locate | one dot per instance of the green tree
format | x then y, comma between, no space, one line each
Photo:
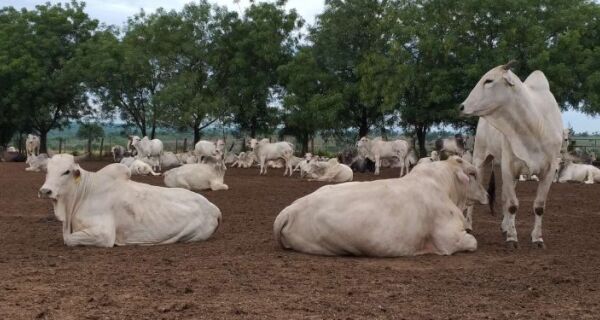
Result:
249,50
90,131
43,82
346,34
307,105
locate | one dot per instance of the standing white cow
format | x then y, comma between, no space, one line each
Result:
148,148
204,148
32,145
106,208
329,171
386,218
198,176
521,125
378,149
264,151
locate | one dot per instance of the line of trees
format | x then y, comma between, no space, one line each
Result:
365,65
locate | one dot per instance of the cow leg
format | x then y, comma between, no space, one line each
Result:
215,186
96,236
510,204
377,164
263,168
539,206
590,177
450,236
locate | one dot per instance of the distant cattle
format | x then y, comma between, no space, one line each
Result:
169,160
204,148
106,208
118,152
152,149
386,218
378,149
139,167
329,171
197,176
37,163
32,145
585,173
264,151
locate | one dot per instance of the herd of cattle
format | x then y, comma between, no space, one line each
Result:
520,128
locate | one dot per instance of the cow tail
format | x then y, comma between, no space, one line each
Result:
280,222
492,190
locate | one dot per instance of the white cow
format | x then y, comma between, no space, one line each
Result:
386,218
37,163
139,167
197,176
148,148
11,149
32,145
245,160
230,158
118,153
329,171
106,208
450,146
433,157
264,151
585,173
468,156
378,149
127,161
169,160
521,126
204,148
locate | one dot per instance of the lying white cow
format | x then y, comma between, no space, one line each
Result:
11,149
37,163
245,160
32,145
139,167
169,160
264,151
204,148
118,153
106,208
585,173
520,126
386,218
127,161
230,158
378,149
148,148
433,157
329,171
197,176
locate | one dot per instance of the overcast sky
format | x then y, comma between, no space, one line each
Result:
115,12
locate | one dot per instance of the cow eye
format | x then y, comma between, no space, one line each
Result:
488,81
66,172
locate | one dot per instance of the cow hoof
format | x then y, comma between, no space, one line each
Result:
512,245
539,245
504,233
469,231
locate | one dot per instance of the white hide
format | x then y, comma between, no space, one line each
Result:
265,151
378,149
197,177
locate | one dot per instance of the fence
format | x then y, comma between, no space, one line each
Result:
586,144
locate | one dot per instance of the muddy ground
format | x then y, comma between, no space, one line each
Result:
241,273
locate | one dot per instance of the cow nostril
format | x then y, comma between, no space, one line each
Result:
45,192
462,107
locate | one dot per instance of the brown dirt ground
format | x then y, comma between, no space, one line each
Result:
241,273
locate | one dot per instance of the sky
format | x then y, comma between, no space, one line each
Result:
116,12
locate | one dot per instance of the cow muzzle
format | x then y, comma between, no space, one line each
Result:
45,193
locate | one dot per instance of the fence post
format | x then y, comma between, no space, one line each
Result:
60,142
175,145
101,148
184,145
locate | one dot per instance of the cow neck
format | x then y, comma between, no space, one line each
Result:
523,126
76,194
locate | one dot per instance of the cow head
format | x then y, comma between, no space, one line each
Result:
135,140
435,156
494,90
466,174
220,144
363,146
63,173
253,143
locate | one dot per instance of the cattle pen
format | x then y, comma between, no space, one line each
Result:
241,273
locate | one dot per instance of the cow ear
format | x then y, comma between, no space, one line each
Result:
509,78
462,177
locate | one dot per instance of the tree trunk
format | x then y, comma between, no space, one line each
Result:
89,148
312,144
184,145
421,132
101,148
153,132
304,140
60,144
197,134
363,129
43,141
